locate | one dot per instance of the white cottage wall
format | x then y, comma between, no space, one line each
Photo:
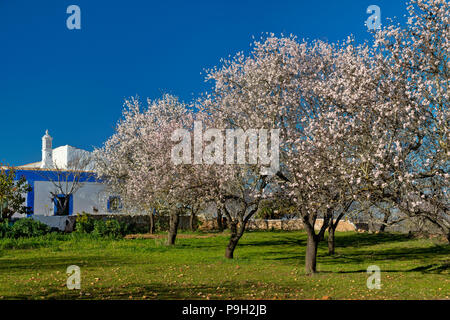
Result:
90,195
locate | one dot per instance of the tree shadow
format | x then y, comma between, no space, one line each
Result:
436,268
343,240
161,291
59,263
276,239
355,239
295,242
362,253
395,254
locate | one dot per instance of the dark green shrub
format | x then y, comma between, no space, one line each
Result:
109,228
5,229
99,228
114,228
84,223
161,224
126,228
27,227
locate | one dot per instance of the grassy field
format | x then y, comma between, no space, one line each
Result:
268,265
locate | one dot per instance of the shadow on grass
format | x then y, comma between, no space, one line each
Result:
356,249
397,254
155,291
284,242
436,268
59,263
353,239
276,239
343,240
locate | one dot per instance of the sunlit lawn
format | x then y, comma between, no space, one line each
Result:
268,265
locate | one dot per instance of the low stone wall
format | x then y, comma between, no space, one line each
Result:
141,223
278,224
288,225
342,226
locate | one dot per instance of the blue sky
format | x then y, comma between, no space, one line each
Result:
74,82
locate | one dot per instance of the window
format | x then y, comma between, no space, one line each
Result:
114,204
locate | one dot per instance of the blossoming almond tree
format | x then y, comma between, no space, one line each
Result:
416,59
236,189
136,160
243,98
396,128
276,87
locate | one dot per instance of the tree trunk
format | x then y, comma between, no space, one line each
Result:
385,220
219,220
192,221
331,240
229,252
152,222
234,239
173,227
311,253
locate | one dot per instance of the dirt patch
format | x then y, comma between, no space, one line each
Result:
163,236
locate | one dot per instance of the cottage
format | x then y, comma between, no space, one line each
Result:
63,184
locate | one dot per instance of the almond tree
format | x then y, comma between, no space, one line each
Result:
236,189
322,170
416,58
136,160
238,192
277,87
396,128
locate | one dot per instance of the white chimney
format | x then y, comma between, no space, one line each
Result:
47,153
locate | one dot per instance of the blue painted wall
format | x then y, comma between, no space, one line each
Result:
33,176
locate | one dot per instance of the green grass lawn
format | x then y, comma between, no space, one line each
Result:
267,265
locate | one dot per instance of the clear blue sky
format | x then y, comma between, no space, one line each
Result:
73,82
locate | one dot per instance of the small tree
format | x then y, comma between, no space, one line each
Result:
136,161
194,207
239,199
67,181
334,222
12,193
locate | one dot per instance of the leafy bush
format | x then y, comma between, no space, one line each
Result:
99,228
27,228
84,223
5,229
161,224
12,193
133,228
109,228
